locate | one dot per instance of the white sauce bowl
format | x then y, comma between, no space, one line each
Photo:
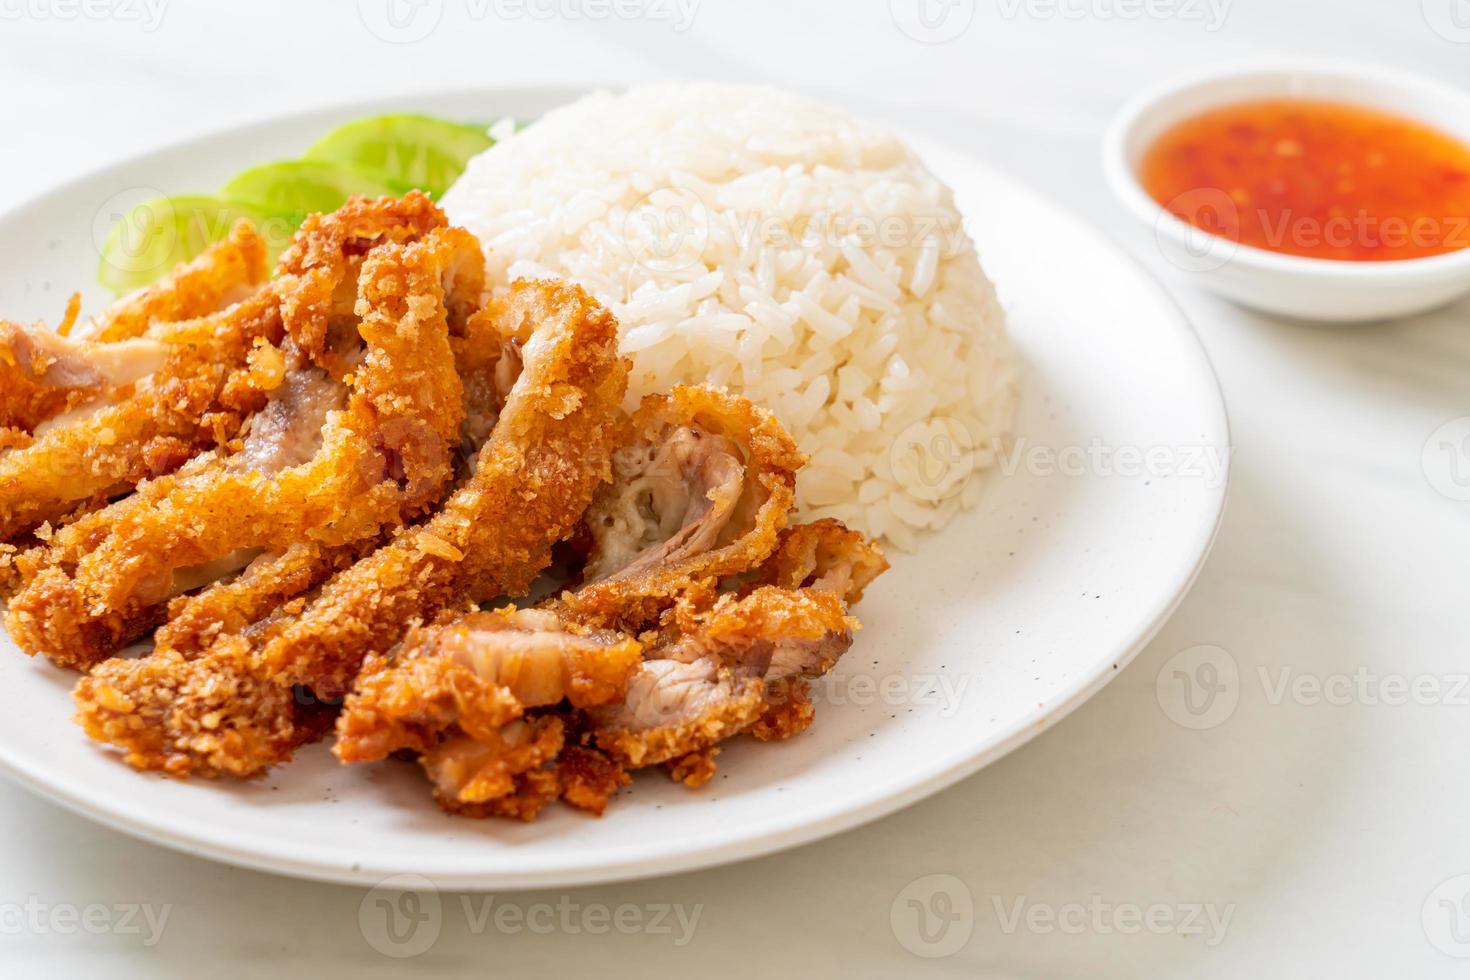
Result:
1290,285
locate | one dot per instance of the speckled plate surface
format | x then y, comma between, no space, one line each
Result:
1080,548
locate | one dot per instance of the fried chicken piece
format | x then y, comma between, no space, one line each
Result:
701,492
535,786
321,270
789,710
487,365
813,562
671,525
587,779
550,449
205,716
10,573
196,400
459,696
310,468
221,365
715,674
825,555
477,698
479,674
222,275
45,374
146,386
210,382
206,712
245,602
466,771
197,705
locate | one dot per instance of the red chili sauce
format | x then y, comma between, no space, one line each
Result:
1319,179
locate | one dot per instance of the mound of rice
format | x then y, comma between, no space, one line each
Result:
795,255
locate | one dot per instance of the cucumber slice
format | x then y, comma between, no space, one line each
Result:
299,187
415,151
155,236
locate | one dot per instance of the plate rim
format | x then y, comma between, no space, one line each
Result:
811,826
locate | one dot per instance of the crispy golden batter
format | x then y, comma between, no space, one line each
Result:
269,589
382,458
826,555
712,676
223,274
529,773
212,318
549,451
495,769
319,272
197,399
479,674
44,373
789,711
489,701
694,769
458,695
45,376
203,716
262,591
587,779
148,384
488,363
701,493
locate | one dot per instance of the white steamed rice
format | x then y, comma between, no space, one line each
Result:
797,256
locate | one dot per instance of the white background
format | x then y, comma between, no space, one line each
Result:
1323,830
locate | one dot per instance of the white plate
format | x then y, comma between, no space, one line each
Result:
1023,607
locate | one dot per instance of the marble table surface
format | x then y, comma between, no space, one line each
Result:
1319,829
